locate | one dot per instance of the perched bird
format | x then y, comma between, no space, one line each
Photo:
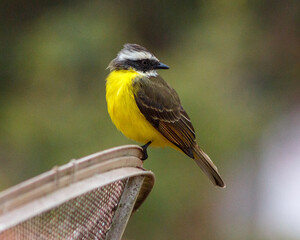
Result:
147,109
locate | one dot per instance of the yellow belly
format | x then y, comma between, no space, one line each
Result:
124,112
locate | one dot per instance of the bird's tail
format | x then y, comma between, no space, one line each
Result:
208,167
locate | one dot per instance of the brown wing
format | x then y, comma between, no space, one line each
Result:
161,106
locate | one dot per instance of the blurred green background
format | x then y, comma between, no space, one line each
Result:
235,65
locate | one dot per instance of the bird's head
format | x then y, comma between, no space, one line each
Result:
138,58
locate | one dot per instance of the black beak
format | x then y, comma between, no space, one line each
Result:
161,66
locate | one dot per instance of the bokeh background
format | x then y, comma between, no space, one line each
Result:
236,67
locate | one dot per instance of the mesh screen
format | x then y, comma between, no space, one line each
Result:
88,216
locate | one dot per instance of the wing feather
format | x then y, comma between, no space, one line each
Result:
161,106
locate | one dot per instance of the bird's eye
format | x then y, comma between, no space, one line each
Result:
144,62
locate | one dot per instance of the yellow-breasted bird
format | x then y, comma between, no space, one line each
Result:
147,109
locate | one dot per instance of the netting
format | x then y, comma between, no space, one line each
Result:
89,198
88,216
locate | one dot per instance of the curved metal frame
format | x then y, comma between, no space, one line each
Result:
78,177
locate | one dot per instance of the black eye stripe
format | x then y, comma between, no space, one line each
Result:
142,65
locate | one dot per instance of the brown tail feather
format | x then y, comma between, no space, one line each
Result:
208,167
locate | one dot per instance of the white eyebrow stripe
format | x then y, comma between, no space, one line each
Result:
134,55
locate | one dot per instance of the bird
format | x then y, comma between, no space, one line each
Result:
145,108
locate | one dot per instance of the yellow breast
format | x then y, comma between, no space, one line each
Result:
124,112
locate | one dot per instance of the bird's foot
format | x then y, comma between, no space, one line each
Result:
145,154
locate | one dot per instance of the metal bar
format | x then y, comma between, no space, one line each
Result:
125,207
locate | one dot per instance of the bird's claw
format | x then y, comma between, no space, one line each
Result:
145,154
